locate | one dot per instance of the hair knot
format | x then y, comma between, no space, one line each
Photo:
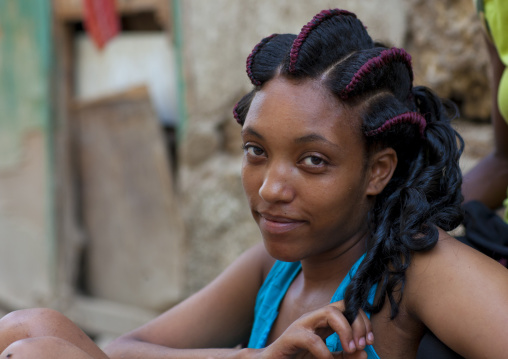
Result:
236,115
306,29
414,118
250,59
385,57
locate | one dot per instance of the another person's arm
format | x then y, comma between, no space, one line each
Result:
488,180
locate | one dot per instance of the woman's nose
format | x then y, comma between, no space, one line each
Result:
276,185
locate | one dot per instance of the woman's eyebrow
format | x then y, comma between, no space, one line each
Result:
314,137
250,131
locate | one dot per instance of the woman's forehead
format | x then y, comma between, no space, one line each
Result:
306,105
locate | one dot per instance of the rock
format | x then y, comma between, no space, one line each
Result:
446,42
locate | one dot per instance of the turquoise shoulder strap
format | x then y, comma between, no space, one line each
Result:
272,293
268,300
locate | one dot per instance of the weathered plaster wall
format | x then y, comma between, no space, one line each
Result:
25,254
26,242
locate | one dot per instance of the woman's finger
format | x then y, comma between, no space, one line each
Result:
333,318
359,332
368,327
307,335
299,342
352,337
315,345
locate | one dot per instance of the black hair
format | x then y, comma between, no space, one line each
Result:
424,191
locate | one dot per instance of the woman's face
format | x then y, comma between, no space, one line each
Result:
304,171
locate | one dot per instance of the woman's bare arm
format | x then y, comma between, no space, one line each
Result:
461,295
218,316
221,315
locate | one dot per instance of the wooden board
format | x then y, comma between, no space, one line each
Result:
130,216
72,10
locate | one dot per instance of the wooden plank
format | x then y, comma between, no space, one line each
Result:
130,216
68,231
135,94
72,10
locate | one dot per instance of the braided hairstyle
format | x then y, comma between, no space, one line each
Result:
424,191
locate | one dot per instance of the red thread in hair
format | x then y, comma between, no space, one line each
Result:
306,29
385,57
250,59
236,115
414,118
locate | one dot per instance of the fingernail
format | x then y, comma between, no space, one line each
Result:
352,345
361,342
370,337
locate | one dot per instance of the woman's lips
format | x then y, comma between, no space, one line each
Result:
277,224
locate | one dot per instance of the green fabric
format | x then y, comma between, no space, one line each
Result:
496,15
502,95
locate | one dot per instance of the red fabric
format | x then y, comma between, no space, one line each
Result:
101,20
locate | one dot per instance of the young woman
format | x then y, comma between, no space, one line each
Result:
352,176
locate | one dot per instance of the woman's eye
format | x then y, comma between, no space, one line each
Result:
253,150
313,161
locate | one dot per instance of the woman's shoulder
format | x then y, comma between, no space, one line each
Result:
450,256
452,262
459,294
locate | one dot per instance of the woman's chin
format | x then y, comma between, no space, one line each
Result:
284,252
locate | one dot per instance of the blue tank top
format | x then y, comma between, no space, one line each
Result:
274,289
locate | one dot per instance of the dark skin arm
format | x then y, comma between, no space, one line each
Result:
220,316
488,180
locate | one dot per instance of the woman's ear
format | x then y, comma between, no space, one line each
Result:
382,165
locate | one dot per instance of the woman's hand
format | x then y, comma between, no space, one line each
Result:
305,338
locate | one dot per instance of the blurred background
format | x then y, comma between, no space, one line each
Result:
120,189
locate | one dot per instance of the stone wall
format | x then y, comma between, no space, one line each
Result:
446,41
